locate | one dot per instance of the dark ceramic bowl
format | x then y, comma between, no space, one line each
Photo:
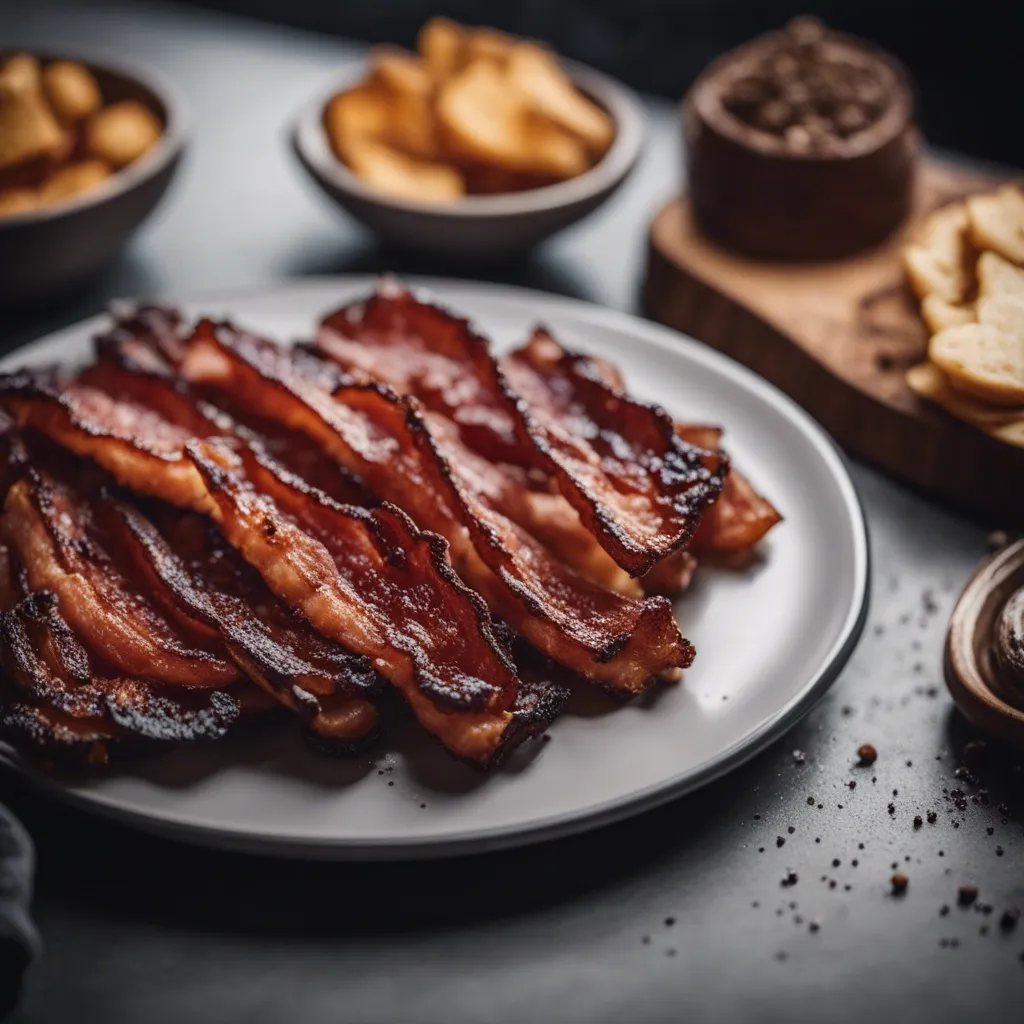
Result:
49,251
477,226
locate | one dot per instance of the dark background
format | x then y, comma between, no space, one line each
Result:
965,55
678,915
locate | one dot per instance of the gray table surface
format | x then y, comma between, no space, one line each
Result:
678,914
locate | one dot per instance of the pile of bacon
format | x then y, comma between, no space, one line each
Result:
202,523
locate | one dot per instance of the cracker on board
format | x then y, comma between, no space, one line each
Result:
937,263
986,359
996,222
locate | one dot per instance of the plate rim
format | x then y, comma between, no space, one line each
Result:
566,823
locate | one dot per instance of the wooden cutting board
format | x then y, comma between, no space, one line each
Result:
838,337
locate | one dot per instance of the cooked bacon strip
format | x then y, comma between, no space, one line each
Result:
44,659
620,642
60,540
737,520
53,733
741,517
319,680
374,582
132,366
140,448
638,488
10,592
62,703
539,695
155,334
646,487
512,492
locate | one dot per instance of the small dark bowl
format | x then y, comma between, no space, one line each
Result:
477,227
56,248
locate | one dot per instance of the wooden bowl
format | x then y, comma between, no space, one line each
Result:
985,647
477,226
56,248
757,198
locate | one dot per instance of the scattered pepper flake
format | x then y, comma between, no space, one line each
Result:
966,895
867,755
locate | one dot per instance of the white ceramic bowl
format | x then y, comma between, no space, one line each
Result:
484,226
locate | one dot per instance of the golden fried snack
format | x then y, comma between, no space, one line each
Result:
360,113
406,90
487,44
403,176
488,122
23,68
1003,311
497,111
938,263
400,72
17,200
939,314
535,73
72,91
1004,424
997,276
996,222
28,129
986,359
440,44
121,133
73,179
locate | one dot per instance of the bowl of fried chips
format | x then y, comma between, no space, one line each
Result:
477,145
87,149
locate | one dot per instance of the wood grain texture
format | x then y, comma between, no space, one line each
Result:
838,338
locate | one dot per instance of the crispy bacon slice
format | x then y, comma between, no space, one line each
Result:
44,730
735,522
512,492
193,565
10,592
388,442
133,366
373,581
741,517
638,487
64,545
647,488
540,692
140,448
55,700
154,334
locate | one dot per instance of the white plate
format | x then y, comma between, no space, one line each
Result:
769,640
